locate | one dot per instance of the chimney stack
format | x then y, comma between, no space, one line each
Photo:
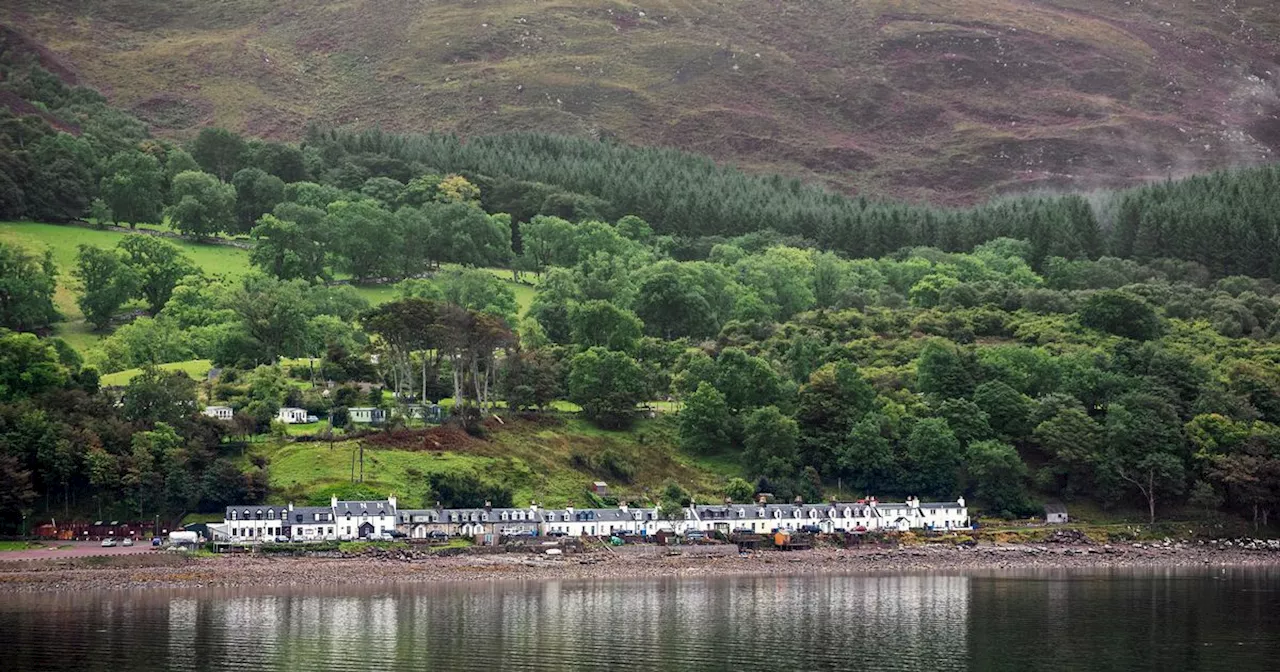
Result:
391,499
333,501
488,506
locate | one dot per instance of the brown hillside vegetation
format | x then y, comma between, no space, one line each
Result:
945,100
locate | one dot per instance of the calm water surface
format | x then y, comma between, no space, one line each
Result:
1165,620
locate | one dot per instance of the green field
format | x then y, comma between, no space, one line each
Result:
63,241
215,260
198,369
535,460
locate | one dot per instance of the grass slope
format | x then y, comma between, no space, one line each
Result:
215,260
533,459
940,99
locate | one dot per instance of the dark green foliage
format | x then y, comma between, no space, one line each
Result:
159,265
704,421
607,385
454,490
219,151
107,282
1120,313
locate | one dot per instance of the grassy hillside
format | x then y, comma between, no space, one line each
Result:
536,460
925,99
215,260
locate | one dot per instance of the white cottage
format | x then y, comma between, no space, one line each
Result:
257,522
312,523
366,415
361,519
219,412
292,416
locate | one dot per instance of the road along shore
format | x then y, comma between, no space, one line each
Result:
168,570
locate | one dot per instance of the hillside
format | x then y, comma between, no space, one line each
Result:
941,101
545,461
213,260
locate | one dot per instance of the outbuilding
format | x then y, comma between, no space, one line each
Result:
1055,513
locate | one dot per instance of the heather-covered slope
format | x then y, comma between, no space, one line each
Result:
947,101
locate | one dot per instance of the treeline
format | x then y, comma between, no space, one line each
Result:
84,159
66,446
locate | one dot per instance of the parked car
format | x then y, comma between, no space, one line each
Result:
694,536
281,539
108,542
397,534
127,542
156,541
345,537
437,534
810,529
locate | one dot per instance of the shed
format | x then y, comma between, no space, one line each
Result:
1055,513
600,488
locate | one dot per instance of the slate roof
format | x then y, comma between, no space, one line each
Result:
253,510
308,515
379,507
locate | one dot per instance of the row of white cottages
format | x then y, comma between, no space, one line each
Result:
360,519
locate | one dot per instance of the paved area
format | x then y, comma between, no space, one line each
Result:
74,549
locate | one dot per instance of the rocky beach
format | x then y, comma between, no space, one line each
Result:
165,570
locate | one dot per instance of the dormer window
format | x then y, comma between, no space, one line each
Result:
777,514
847,512
797,513
235,516
258,515
271,514
742,513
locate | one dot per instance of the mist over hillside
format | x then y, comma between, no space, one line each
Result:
948,102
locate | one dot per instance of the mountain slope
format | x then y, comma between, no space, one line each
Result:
945,100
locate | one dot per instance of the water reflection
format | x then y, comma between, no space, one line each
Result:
1028,621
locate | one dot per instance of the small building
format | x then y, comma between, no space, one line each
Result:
219,412
360,519
292,416
1055,513
314,523
431,413
600,488
366,415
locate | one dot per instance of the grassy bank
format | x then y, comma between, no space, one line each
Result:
214,260
550,462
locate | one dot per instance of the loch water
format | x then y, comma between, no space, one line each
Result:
1162,620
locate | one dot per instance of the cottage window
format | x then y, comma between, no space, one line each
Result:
235,516
271,514
258,515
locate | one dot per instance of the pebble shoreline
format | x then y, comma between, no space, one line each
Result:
261,571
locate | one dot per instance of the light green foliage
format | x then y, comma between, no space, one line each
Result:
739,491
479,290
704,421
28,366
600,323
